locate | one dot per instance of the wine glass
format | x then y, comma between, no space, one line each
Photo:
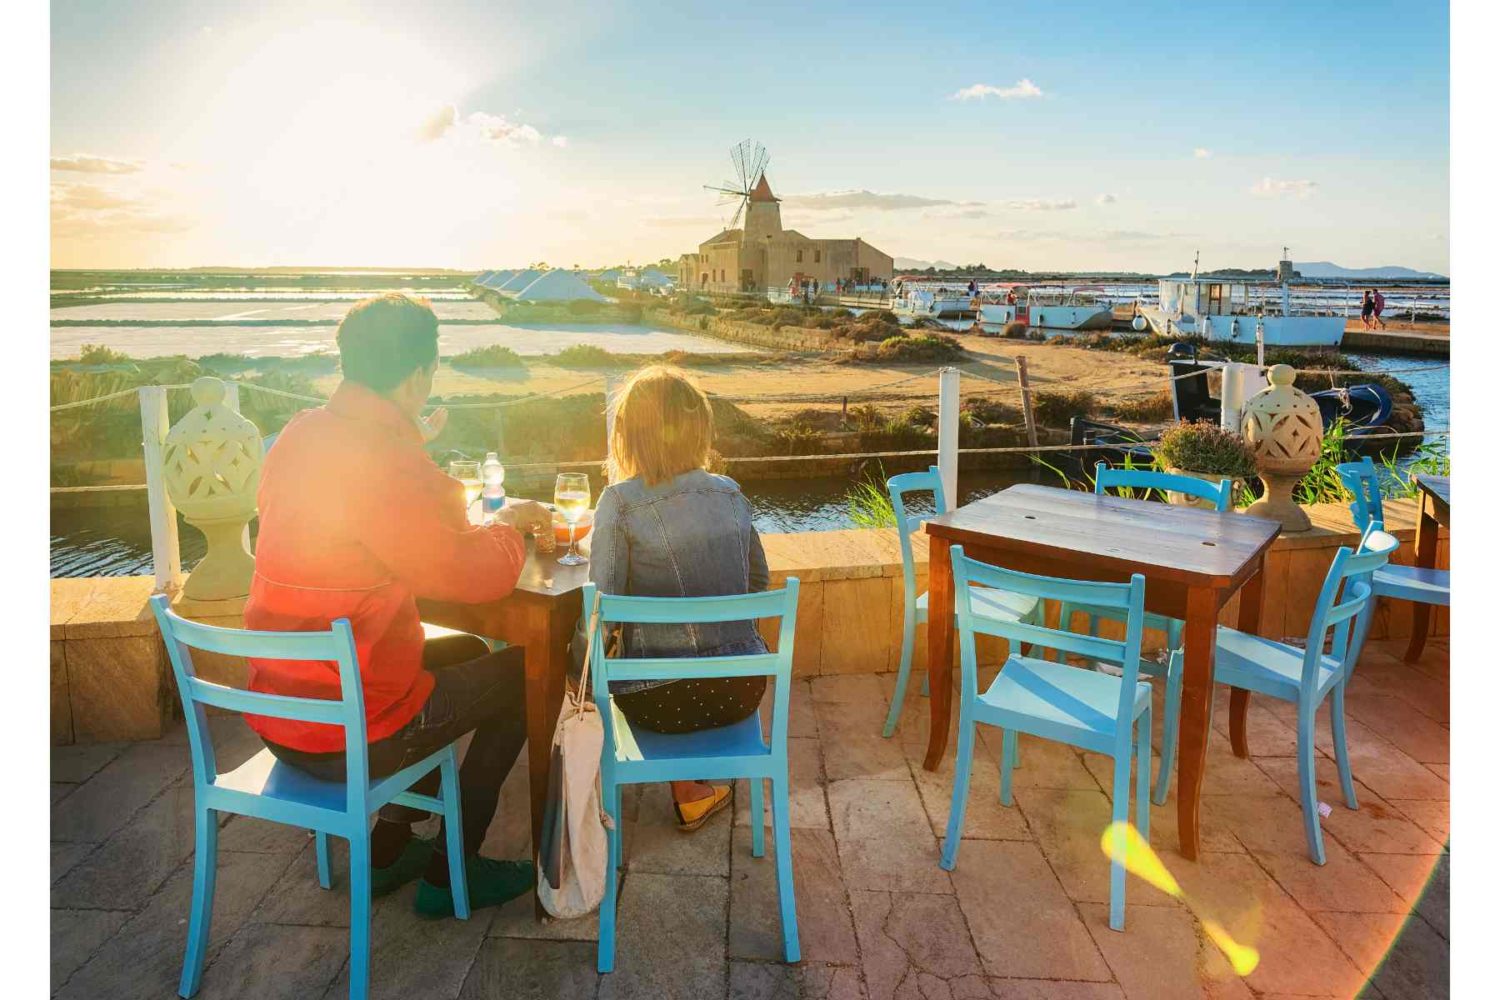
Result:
468,474
571,497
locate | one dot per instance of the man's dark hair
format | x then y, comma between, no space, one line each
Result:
384,339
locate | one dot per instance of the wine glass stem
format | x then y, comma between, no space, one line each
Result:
572,544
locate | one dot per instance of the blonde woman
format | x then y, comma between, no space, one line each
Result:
667,527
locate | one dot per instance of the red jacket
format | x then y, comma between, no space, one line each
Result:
356,521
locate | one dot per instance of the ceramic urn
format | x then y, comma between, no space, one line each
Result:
211,465
1282,425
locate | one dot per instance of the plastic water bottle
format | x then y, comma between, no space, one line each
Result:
493,474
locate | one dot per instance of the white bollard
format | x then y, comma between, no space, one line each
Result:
166,556
948,434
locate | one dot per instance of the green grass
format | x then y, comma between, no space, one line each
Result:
870,506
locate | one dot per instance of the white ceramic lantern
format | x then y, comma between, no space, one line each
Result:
211,465
1283,427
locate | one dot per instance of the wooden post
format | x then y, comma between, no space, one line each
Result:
948,434
166,556
844,413
1026,413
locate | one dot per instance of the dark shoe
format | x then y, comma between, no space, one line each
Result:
410,865
491,883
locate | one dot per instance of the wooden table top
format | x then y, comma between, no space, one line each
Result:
542,576
1186,544
1436,487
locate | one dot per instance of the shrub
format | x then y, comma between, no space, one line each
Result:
922,347
489,356
870,505
1014,330
1207,448
1055,408
866,417
98,354
1145,409
585,307
586,356
797,439
981,411
631,312
919,415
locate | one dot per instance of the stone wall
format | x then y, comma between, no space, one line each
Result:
111,679
786,338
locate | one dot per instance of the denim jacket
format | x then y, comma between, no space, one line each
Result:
689,537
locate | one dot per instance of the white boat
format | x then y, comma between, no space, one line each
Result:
934,301
1048,309
1229,310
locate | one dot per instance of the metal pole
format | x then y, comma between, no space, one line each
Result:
1026,412
948,434
166,556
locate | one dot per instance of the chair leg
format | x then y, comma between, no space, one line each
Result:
1010,749
1120,814
1171,717
1307,779
758,817
1143,776
325,872
359,915
453,826
205,869
961,769
617,842
1341,746
903,673
781,829
606,959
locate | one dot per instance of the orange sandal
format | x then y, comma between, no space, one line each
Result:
692,815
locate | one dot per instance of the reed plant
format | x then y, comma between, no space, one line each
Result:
870,505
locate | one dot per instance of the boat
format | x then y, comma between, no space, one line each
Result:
927,301
1047,309
1118,447
1239,311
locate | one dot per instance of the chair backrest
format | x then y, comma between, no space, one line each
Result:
1360,479
1127,597
898,487
616,609
1345,604
1107,478
337,644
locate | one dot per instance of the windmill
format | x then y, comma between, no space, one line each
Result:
749,159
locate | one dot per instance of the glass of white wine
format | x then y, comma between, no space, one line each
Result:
571,497
468,474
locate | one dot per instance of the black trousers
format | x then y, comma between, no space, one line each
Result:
473,690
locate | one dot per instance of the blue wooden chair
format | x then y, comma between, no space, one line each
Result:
1405,583
1307,676
996,603
1056,701
267,789
636,756
1220,495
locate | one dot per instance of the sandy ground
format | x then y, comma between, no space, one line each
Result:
776,385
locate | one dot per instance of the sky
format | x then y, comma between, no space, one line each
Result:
482,133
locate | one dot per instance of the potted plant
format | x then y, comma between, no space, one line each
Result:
1204,451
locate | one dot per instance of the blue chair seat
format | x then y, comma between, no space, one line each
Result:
1077,705
740,739
266,776
1413,583
992,604
1259,664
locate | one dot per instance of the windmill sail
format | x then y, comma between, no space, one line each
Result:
749,159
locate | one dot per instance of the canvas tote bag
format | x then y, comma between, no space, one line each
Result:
574,851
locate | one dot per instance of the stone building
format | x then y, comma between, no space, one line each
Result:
763,255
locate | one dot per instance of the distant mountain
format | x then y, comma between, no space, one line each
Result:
912,264
1327,269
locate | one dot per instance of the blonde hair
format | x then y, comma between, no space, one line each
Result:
663,427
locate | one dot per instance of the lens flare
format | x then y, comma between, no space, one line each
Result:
1122,842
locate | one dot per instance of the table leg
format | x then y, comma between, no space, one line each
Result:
1425,556
1197,698
939,650
1252,597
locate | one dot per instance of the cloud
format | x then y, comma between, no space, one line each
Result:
1270,187
833,201
1200,153
482,126
1106,199
1040,204
1022,88
88,210
85,164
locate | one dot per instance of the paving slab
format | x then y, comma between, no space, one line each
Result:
518,919
809,805
913,944
806,981
654,843
669,938
1053,989
1161,956
1375,826
79,763
532,970
825,928
77,934
128,868
984,817
117,791
1066,825
1416,967
1023,922
1343,883
884,838
65,857
267,960
412,955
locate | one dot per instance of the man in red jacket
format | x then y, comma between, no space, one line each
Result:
356,521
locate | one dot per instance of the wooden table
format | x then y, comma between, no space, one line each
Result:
539,617
1193,560
1435,496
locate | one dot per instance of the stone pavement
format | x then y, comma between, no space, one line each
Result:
1022,916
